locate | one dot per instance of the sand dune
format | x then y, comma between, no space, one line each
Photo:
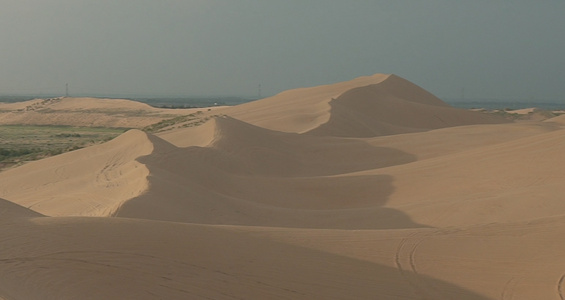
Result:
91,112
559,119
363,107
440,142
253,176
523,182
191,136
297,110
367,189
523,111
265,152
265,181
393,106
92,181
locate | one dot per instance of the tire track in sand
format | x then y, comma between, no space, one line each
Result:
405,262
560,287
508,290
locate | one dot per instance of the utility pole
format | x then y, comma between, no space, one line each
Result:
66,90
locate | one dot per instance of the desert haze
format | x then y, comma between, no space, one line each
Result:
367,189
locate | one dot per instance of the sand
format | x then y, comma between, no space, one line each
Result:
88,112
366,189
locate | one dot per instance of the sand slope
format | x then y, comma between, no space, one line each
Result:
94,258
367,189
73,257
516,180
518,260
559,120
92,181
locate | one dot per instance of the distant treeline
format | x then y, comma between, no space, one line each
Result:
506,104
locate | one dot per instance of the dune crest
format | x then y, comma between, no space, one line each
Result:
394,106
297,110
363,107
264,152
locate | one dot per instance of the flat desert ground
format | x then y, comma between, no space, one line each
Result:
367,189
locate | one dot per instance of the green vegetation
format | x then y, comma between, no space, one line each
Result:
21,143
160,126
191,120
513,116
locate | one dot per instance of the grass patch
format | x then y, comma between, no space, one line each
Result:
160,126
21,143
192,120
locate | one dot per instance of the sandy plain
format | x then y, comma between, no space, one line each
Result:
366,189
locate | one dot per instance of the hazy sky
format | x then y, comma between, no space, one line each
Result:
491,48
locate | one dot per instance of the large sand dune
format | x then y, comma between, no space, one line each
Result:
367,106
298,110
391,107
367,189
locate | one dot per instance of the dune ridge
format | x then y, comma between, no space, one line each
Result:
382,104
366,189
393,106
297,110
253,176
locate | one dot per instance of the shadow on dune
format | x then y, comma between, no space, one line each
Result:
270,182
105,258
10,210
244,149
171,198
